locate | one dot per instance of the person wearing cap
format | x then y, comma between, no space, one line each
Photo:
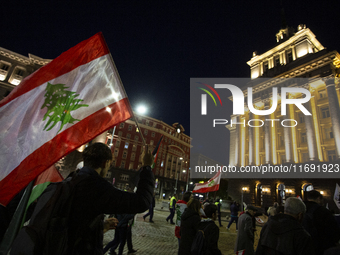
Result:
245,234
284,234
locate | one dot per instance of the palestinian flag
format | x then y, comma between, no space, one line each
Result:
212,185
61,106
155,153
41,183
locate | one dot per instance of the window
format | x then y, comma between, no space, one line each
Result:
124,177
322,93
120,133
128,136
305,157
133,156
277,61
265,66
124,154
116,153
17,75
130,128
126,146
145,132
331,155
302,118
328,133
122,165
131,165
154,124
162,164
303,137
117,143
136,138
121,125
108,174
113,163
153,134
289,56
4,67
151,142
134,147
325,112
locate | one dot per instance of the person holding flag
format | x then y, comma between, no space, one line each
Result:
55,110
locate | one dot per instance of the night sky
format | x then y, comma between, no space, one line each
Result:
159,45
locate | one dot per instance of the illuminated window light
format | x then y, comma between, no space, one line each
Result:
15,81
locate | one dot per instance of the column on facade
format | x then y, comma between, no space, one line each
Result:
236,119
251,158
288,139
334,112
232,145
310,133
267,140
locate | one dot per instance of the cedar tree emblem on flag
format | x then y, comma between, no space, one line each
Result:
55,110
59,103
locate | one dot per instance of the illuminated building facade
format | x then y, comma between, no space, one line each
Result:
15,67
173,161
314,138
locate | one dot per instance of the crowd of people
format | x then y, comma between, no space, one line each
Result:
296,227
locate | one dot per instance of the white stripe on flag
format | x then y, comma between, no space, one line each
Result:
95,83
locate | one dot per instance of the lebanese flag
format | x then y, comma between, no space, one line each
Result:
212,185
58,108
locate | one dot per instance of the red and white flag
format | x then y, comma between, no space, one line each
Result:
212,185
55,110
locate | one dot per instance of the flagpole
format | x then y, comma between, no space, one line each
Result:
15,223
133,114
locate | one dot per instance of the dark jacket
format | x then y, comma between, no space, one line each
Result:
189,226
284,235
234,210
212,234
326,233
124,220
95,196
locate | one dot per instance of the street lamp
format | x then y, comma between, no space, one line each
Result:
141,109
243,190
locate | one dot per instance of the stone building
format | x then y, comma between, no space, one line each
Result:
15,67
298,60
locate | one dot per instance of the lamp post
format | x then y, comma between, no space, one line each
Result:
243,190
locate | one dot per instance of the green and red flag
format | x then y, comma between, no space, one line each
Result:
155,153
61,106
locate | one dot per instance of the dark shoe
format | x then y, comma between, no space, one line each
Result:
151,221
144,218
112,253
132,251
221,226
172,223
167,220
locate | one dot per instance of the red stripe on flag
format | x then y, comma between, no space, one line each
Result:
67,141
83,53
207,189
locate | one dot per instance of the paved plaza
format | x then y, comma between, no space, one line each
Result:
159,238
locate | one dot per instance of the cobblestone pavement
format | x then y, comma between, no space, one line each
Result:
159,239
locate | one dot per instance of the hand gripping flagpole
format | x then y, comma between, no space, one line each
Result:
133,115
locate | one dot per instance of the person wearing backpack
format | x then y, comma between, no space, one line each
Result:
92,197
189,226
320,223
211,231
